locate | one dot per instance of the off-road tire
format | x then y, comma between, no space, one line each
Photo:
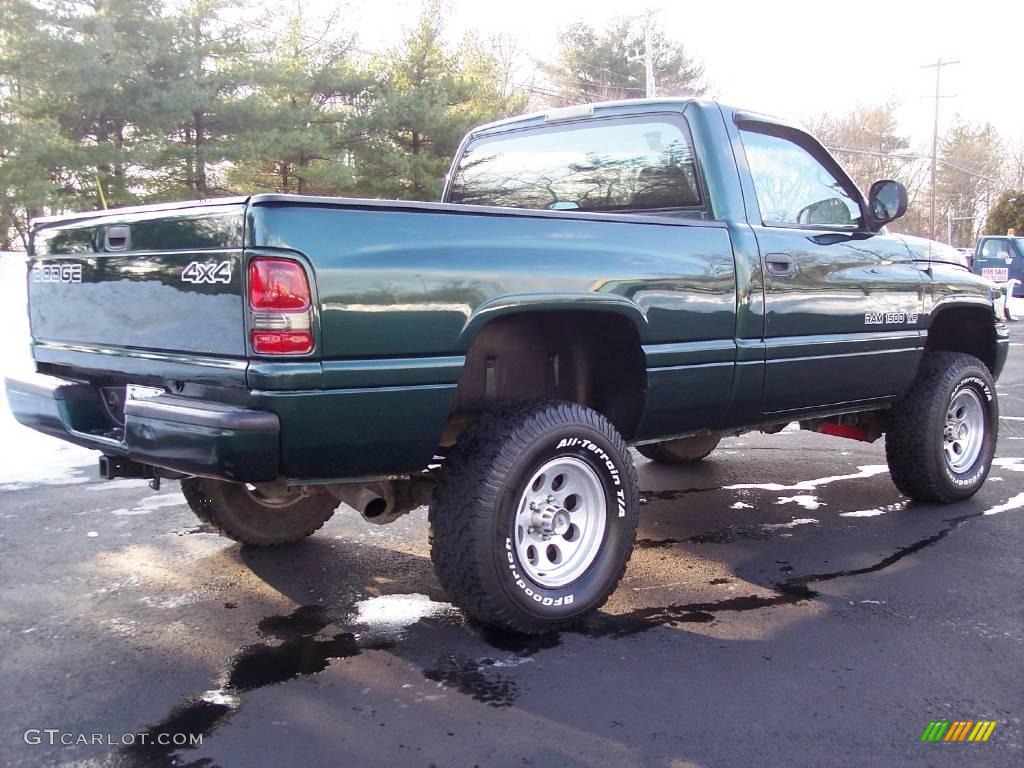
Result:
915,437
473,514
685,450
235,512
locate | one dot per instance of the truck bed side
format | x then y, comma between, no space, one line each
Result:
405,289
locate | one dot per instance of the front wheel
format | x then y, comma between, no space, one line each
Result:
250,516
534,518
942,433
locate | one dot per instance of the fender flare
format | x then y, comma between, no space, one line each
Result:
516,304
948,303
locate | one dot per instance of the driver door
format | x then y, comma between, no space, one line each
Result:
842,305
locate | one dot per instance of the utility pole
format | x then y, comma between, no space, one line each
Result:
950,218
649,55
935,131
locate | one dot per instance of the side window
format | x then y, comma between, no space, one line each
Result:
793,188
600,165
997,248
990,248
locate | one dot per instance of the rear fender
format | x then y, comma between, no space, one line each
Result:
515,304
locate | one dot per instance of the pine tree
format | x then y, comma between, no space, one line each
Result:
608,65
305,113
197,109
427,99
1007,214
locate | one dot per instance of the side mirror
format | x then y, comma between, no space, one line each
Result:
887,201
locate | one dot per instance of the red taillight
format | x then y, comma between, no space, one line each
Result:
279,307
277,284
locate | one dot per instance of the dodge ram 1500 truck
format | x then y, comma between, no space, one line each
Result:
653,273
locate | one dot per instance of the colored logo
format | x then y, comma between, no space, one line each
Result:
958,730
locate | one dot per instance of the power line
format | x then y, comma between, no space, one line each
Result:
912,156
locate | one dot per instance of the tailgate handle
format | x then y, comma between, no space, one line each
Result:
117,237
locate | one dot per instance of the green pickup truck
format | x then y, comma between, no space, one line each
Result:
651,273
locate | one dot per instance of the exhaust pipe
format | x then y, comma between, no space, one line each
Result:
370,501
385,501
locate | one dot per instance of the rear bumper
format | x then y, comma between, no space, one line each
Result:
188,436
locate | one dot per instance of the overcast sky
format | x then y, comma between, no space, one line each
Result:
789,58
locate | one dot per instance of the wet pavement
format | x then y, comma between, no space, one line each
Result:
785,606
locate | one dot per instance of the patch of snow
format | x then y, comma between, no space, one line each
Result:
1012,463
115,485
791,524
741,505
391,612
509,661
220,698
1015,502
863,513
877,511
151,503
804,500
809,485
27,457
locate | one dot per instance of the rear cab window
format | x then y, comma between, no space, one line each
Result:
605,165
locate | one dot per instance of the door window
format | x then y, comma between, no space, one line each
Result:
795,189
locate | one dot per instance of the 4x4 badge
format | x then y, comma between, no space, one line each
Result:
208,272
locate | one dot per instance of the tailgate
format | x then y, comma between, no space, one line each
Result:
157,278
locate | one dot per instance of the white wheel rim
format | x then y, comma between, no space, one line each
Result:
964,432
560,522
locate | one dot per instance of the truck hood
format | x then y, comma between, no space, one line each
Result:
923,249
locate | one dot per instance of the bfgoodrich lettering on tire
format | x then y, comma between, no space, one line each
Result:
942,433
535,516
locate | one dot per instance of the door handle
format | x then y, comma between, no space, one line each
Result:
781,264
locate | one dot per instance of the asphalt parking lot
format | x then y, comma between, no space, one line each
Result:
785,606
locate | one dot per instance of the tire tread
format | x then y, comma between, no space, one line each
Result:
207,500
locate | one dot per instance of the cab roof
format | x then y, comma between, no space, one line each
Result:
621,107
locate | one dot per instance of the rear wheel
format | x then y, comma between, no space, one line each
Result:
942,433
685,450
250,515
534,519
